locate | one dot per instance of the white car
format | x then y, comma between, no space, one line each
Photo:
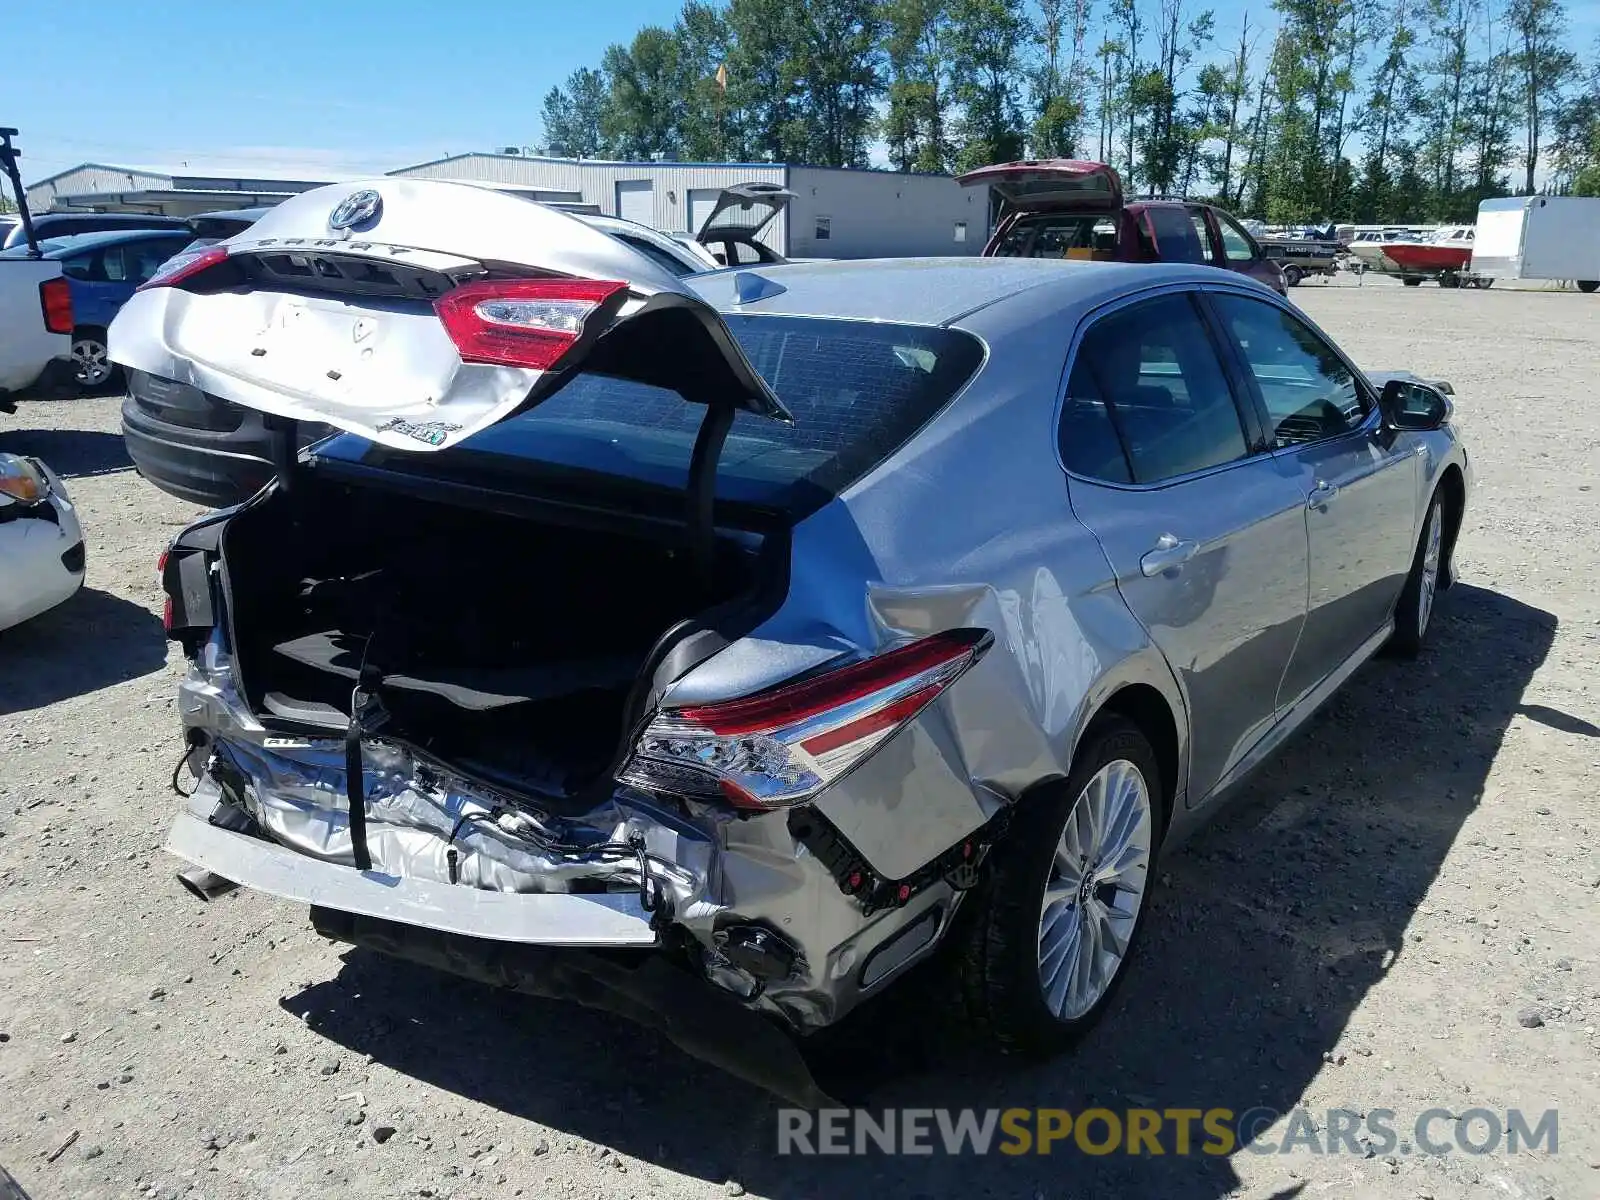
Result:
41,545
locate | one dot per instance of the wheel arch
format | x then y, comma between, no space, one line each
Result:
1452,489
1155,714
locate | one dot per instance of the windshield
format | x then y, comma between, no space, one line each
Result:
858,390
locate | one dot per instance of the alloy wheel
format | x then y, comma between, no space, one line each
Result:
91,364
1095,890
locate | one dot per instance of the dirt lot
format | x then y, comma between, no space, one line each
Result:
1401,913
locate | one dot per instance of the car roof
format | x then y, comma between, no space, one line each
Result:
930,291
65,245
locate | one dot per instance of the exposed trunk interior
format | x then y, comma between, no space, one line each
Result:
508,645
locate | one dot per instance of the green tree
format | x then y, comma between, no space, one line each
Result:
709,130
986,39
643,114
572,115
1059,93
1450,25
764,88
837,68
916,122
1543,65
1390,102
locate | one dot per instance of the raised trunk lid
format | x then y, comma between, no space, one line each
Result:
1050,185
332,309
744,209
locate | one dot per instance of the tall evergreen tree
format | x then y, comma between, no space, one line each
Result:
572,115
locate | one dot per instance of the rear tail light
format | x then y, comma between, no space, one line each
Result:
55,300
183,266
521,322
783,746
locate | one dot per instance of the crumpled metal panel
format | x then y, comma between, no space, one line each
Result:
714,867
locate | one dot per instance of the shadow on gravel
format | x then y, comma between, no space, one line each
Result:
1276,922
70,453
92,641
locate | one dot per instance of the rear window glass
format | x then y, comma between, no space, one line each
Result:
1060,236
857,390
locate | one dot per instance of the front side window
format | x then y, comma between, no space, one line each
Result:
1236,243
1309,392
1154,367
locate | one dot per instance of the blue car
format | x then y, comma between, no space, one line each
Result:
103,269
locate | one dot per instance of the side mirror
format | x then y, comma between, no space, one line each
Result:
1413,406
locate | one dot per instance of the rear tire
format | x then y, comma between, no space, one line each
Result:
1050,941
1292,276
1413,612
1411,281
1589,286
92,367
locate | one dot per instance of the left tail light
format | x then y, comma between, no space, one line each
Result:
783,746
183,266
523,322
55,300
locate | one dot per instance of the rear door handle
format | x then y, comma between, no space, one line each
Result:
1322,494
1169,552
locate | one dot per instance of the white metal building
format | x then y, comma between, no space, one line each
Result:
836,213
98,187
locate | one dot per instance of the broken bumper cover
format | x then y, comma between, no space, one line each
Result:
550,919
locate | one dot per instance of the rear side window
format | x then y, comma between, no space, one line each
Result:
1172,234
1154,370
655,254
857,390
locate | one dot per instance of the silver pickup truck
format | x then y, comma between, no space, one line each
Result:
35,306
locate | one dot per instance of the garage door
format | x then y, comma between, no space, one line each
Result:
701,202
636,201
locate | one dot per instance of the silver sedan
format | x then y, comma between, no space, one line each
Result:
703,648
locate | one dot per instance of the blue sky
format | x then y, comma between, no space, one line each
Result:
351,85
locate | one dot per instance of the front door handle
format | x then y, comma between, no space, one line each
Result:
1322,494
1169,552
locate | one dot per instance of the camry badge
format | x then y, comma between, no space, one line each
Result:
358,208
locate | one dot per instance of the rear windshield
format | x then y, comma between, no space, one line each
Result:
857,390
1063,235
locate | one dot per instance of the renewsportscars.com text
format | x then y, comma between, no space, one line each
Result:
1170,1131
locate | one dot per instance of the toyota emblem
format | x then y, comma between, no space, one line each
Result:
358,208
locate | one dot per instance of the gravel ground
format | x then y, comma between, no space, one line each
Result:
1399,914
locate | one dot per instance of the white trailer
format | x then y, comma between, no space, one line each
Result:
1539,237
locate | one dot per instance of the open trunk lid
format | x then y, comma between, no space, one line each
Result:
416,313
744,210
1050,185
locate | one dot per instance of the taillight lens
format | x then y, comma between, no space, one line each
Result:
184,265
521,322
783,746
55,299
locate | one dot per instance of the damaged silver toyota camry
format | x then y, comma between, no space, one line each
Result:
712,650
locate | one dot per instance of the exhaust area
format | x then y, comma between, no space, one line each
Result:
207,885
